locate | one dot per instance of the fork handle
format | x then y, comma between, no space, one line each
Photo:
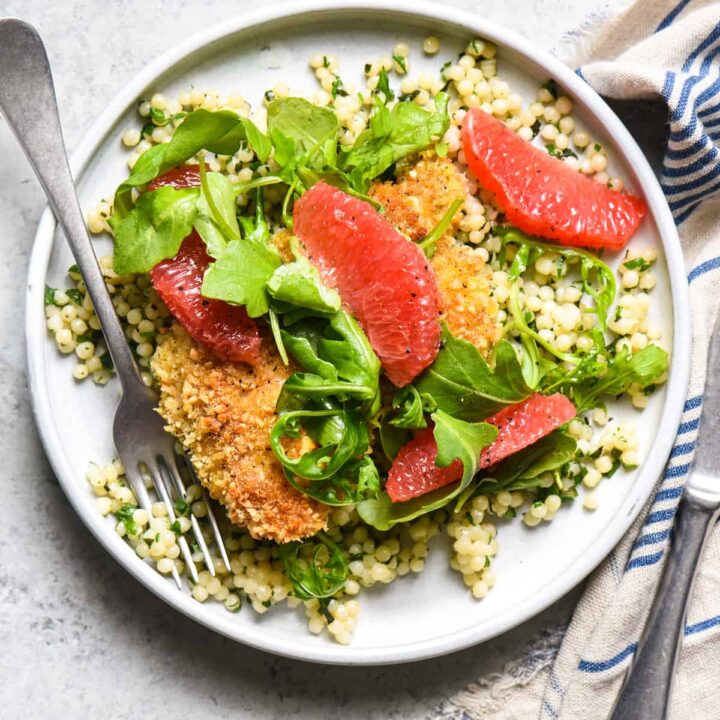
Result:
27,101
645,694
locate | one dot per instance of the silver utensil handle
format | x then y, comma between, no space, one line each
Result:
646,692
27,101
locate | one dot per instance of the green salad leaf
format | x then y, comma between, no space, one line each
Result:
245,131
331,403
303,134
220,131
154,229
525,469
408,411
463,385
216,220
317,568
406,129
198,130
343,435
592,379
298,284
240,275
456,440
597,278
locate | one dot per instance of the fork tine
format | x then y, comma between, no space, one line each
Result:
174,472
137,483
162,489
211,517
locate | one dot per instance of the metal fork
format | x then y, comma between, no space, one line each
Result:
27,101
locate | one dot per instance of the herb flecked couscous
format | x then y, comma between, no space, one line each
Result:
399,147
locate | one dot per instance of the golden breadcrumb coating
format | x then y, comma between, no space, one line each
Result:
415,203
223,413
464,282
422,193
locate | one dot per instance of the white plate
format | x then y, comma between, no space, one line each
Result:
414,617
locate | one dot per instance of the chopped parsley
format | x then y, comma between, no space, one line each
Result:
400,60
383,86
338,88
637,264
50,296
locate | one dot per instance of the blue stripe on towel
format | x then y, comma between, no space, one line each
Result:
691,424
702,625
652,538
676,471
602,665
660,516
670,17
644,560
669,494
682,449
704,267
693,402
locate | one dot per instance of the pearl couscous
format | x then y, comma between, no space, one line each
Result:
549,304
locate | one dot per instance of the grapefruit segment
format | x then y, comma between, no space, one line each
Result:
543,196
384,279
414,473
226,330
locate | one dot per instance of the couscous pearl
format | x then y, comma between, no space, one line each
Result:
548,132
564,105
603,464
159,510
598,163
431,45
590,502
631,278
567,125
581,140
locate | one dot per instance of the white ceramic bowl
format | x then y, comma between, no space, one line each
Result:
414,617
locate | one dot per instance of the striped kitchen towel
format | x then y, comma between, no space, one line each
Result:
665,50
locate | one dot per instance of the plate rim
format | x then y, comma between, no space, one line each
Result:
648,473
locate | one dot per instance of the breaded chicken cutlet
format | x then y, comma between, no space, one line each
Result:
223,412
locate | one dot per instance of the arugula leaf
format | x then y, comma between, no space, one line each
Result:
216,220
408,407
154,229
430,240
302,133
298,284
245,131
460,440
524,469
198,130
456,440
411,130
463,385
358,480
598,279
343,439
240,275
591,379
319,573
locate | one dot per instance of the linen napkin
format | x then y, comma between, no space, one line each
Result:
665,50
